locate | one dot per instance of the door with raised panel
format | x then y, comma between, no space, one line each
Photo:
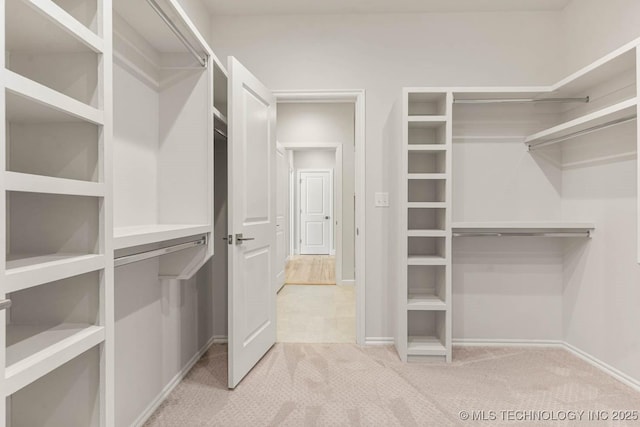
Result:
315,212
252,221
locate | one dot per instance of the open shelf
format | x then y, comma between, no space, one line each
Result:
426,260
31,102
425,301
426,176
426,219
27,270
621,110
35,350
425,346
427,189
427,329
507,227
125,237
22,182
426,233
427,104
427,147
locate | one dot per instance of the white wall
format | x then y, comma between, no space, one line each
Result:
382,53
326,122
601,290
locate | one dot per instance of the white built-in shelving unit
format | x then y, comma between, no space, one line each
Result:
55,265
422,289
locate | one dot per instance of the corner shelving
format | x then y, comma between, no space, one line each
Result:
28,183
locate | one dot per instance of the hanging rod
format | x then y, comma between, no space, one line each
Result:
587,131
128,259
202,61
521,234
520,100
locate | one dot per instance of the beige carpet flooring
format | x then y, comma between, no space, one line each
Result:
343,384
316,314
311,270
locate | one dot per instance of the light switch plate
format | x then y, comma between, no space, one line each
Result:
382,200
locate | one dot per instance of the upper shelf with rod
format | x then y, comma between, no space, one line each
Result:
523,229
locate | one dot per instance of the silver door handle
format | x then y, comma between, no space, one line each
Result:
5,303
240,239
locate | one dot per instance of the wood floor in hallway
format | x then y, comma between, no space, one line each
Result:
311,270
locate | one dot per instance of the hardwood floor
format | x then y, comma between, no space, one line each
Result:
311,270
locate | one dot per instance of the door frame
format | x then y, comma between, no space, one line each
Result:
334,193
356,97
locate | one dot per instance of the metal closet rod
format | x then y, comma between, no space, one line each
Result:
582,132
141,256
520,234
202,61
520,100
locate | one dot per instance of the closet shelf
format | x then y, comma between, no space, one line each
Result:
426,233
425,176
45,27
44,104
426,121
126,237
425,346
427,205
427,147
426,302
23,182
35,350
549,228
218,115
426,260
28,270
612,113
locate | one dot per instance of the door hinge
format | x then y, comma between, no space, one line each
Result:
229,239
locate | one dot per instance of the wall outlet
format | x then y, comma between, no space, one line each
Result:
382,200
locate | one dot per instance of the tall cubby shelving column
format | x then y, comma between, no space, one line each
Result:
425,279
54,147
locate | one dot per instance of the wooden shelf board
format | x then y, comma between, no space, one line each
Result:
126,237
426,147
27,270
427,205
23,182
426,121
618,111
427,176
31,102
426,260
425,301
44,27
425,346
506,226
35,350
426,233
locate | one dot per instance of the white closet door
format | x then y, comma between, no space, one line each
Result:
252,217
315,212
281,216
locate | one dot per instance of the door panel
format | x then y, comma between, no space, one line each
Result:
281,216
315,212
252,217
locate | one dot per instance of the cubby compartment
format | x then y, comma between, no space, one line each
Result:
50,228
41,50
427,190
427,333
426,247
220,95
68,396
83,11
426,132
426,285
51,143
427,104
427,162
426,219
163,122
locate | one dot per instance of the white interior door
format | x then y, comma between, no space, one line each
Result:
252,221
315,212
282,210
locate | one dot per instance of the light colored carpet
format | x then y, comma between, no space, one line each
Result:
343,384
311,270
316,314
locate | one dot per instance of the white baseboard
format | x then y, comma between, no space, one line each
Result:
347,282
220,339
615,373
473,342
593,361
378,340
155,404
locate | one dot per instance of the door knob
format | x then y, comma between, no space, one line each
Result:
240,239
326,217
